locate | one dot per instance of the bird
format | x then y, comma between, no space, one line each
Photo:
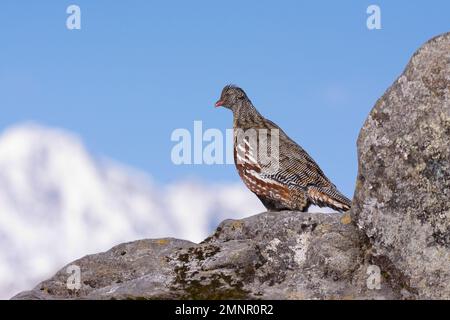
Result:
296,181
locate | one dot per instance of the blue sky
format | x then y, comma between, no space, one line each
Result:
137,70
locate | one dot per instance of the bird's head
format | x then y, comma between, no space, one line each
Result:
231,97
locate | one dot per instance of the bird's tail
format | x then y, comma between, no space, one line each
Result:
329,197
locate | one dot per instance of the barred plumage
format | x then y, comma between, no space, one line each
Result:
296,182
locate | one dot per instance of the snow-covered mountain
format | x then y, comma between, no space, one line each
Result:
58,203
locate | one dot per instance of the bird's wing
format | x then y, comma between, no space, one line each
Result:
299,171
295,165
296,168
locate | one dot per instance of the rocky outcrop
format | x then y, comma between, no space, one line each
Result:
394,244
402,198
287,255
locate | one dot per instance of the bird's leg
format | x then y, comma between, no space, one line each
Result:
273,205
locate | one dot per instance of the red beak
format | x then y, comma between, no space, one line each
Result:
219,103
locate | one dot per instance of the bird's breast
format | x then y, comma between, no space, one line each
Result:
251,173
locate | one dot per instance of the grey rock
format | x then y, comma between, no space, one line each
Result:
402,198
286,255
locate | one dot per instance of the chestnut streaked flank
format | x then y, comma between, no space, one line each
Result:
298,181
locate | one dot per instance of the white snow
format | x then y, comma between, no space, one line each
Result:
58,203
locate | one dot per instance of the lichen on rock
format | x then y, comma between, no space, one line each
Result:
402,199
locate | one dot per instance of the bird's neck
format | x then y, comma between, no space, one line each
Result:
245,114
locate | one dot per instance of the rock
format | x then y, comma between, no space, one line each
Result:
402,198
287,255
